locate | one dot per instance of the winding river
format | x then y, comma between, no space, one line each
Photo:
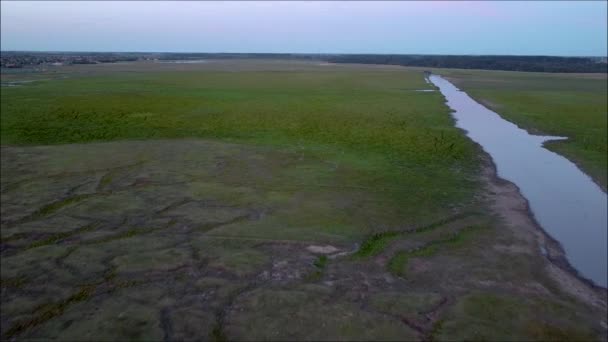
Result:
566,202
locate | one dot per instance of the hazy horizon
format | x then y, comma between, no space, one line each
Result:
542,28
291,53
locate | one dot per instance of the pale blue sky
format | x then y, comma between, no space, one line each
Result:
434,27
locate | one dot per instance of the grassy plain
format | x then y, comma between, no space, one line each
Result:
571,105
262,200
370,116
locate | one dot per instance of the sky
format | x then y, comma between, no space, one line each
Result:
561,28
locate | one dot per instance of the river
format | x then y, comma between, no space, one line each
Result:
565,202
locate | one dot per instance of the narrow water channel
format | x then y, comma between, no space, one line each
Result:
565,201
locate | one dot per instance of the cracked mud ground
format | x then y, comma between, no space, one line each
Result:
200,240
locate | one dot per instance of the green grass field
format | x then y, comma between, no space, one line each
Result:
571,105
263,200
404,140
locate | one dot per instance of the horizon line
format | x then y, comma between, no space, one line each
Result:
309,53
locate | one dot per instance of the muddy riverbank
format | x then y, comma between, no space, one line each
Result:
508,203
565,202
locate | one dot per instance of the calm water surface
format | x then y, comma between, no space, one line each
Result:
565,201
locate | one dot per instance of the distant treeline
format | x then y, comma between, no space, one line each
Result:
12,59
296,56
511,63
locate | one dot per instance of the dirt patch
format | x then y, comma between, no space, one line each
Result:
322,249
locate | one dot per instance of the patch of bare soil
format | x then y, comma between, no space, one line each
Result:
328,249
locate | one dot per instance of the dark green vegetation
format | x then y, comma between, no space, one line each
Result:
17,59
575,106
510,63
285,201
378,241
398,262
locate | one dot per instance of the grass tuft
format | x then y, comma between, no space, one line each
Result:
397,264
320,264
376,243
379,241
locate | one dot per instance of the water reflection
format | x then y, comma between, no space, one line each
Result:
565,201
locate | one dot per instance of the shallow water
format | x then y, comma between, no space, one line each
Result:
566,202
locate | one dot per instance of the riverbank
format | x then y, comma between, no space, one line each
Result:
509,204
571,105
561,197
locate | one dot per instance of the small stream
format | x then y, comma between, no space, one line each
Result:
566,202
